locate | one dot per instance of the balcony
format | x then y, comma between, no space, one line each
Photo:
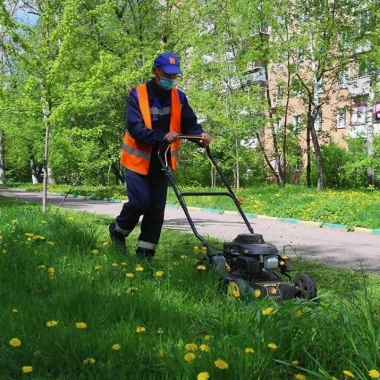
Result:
359,86
255,76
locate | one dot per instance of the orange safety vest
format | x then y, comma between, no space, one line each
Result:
135,155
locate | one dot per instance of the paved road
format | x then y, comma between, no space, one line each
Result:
334,247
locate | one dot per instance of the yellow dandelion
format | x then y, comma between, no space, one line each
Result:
221,364
105,243
129,275
15,342
208,337
123,264
29,234
14,310
95,251
140,329
159,273
268,311
374,374
204,348
272,346
89,361
297,313
50,243
203,376
189,356
116,347
348,373
191,347
14,221
51,271
183,257
27,369
201,267
114,265
295,362
98,267
4,251
249,350
299,376
80,325
131,289
42,266
139,268
51,323
257,293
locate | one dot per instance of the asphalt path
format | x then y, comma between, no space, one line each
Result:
331,246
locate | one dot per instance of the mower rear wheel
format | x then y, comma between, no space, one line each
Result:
305,286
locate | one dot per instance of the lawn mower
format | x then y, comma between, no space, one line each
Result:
249,267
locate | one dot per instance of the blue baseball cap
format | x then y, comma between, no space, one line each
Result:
168,62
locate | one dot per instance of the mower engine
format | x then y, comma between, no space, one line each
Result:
248,254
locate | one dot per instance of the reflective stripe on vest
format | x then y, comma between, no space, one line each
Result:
136,156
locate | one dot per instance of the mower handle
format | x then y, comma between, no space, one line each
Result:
165,144
162,153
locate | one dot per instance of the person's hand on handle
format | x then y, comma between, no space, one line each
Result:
171,137
205,139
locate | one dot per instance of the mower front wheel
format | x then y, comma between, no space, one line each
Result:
237,289
305,287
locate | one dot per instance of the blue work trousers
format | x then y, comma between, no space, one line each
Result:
147,198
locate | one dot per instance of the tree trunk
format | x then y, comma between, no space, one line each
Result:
46,110
2,160
34,170
371,177
308,157
317,151
119,178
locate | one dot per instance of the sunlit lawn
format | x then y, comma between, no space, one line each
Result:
351,208
73,308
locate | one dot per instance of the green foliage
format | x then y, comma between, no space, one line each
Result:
72,307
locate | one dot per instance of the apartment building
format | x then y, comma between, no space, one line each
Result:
352,109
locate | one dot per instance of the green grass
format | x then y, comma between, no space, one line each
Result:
352,208
58,269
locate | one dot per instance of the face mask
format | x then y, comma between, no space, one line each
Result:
166,83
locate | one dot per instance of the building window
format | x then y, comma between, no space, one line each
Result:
300,55
297,86
364,21
345,41
296,123
279,92
341,118
343,78
376,116
274,164
277,125
359,114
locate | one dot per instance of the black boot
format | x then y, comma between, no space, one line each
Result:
145,254
117,239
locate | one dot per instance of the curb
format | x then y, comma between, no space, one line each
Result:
249,215
285,220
